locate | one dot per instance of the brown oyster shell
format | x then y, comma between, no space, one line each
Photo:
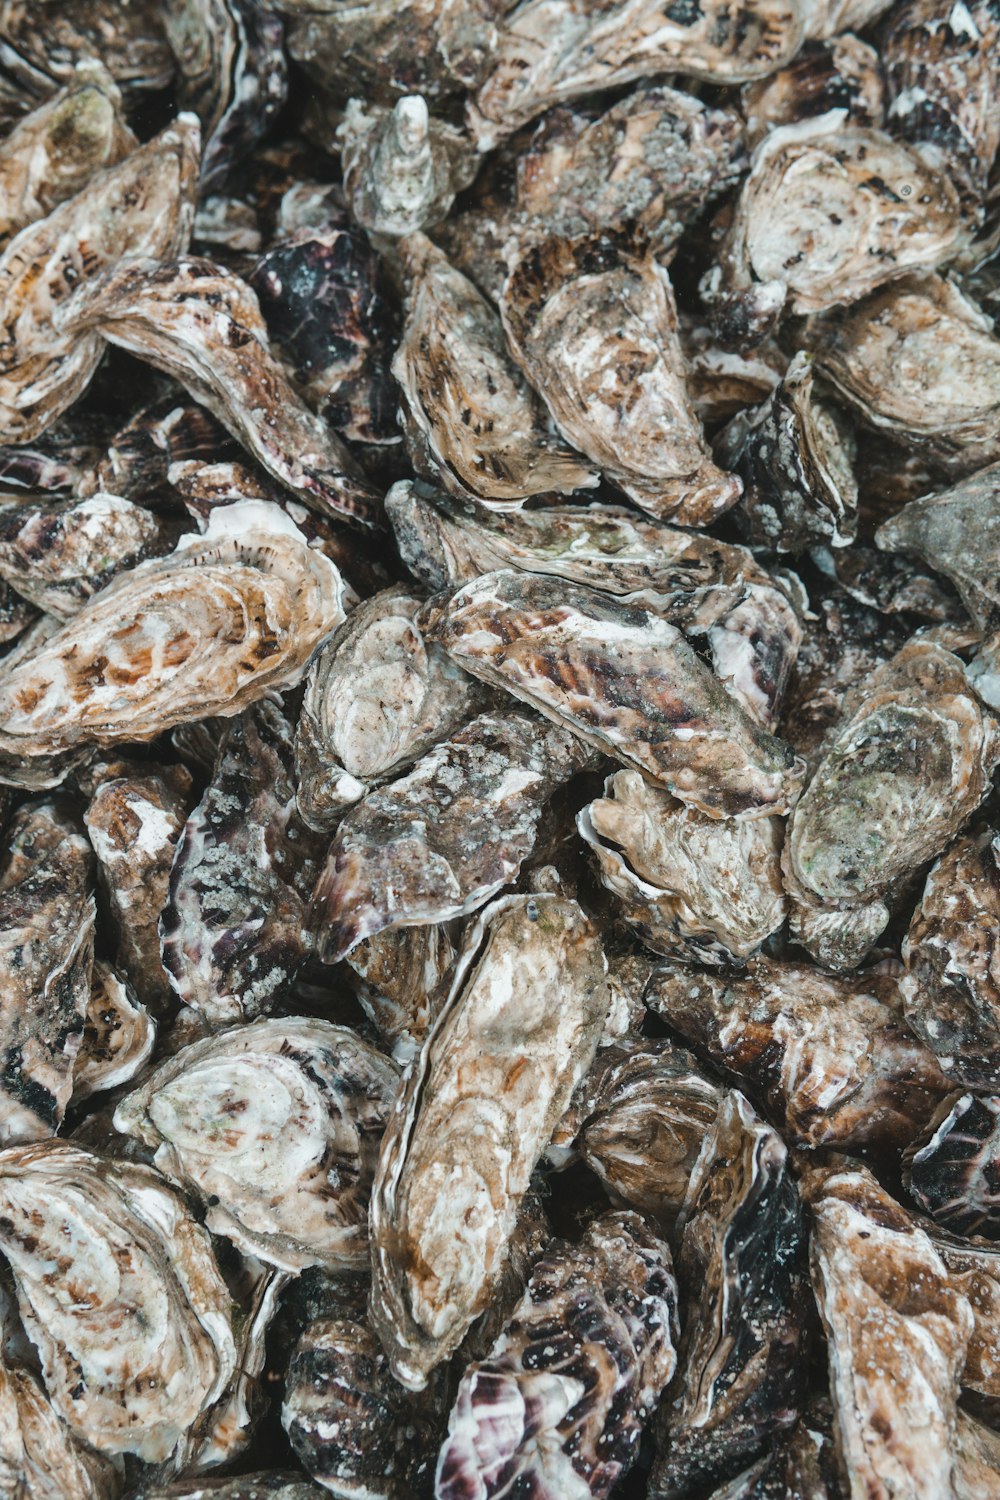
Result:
40,1458
558,1404
625,681
742,1266
444,839
903,773
44,39
842,73
953,1170
141,453
276,1126
154,1318
258,1486
471,420
398,975
47,915
593,323
213,626
475,1112
401,168
688,886
829,1057
118,1035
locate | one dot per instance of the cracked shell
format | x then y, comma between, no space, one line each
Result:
276,1126
476,1111
121,1232
593,324
953,1171
557,1407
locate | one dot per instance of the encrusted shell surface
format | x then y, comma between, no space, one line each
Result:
742,1267
475,1113
593,323
953,1171
277,1126
556,1409
42,47
442,840
155,1319
259,1486
690,887
830,1057
625,681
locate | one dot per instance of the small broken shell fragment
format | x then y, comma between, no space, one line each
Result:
841,73
232,929
742,1267
212,627
444,839
398,977
471,420
118,1035
557,1407
40,1458
401,168
552,52
623,680
829,1057
593,323
953,1172
476,1111
47,915
134,823
951,987
277,1126
156,1318
689,886
895,784
377,697
794,454
957,533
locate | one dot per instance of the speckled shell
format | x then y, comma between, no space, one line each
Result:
952,981
44,39
689,887
842,73
471,421
953,1170
902,775
259,1486
223,619
831,1058
552,52
233,925
557,1407
118,1035
47,914
276,1126
974,1270
742,1265
593,323
402,168
40,1458
377,697
625,681
398,978
156,1318
454,1166
441,841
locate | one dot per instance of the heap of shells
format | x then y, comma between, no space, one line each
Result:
499,720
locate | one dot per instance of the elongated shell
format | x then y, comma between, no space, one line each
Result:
474,1115
593,323
953,1172
155,1320
831,1058
625,681
441,841
276,1125
223,619
401,167
258,1486
558,1405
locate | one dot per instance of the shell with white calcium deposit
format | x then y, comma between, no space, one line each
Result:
402,168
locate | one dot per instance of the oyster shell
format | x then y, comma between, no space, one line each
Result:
140,455
44,39
471,421
398,977
830,1058
557,1407
233,927
40,1458
802,1464
475,1113
794,454
208,629
276,1125
552,51
912,762
137,1310
593,323
953,1171
742,1265
47,914
401,168
626,682
841,73
377,697
118,1035
442,840
269,1486
688,886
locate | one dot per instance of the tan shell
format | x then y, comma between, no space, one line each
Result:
474,1115
118,1035
401,167
40,1458
398,980
841,73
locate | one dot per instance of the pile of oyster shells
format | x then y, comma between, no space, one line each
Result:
499,708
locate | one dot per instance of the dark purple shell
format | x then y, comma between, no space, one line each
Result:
953,1171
